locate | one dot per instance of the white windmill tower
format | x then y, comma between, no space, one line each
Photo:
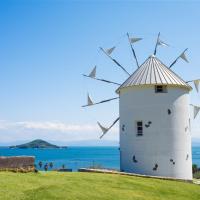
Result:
155,121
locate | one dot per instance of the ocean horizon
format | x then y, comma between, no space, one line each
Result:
75,157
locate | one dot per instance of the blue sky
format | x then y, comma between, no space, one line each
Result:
46,45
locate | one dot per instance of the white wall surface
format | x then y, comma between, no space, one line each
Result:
168,137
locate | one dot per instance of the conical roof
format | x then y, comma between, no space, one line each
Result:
154,72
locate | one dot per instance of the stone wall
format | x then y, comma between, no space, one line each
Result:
17,162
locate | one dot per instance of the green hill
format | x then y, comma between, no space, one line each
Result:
87,186
36,144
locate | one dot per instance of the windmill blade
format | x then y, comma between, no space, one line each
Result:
196,84
109,51
90,102
105,130
93,72
104,101
103,80
196,110
161,43
155,50
183,56
121,67
133,40
107,81
117,63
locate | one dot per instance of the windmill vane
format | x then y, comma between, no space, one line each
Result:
154,116
183,56
133,40
115,61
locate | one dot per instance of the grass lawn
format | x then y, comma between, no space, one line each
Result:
91,186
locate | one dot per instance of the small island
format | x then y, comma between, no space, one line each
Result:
36,144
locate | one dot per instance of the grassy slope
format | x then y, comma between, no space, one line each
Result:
88,186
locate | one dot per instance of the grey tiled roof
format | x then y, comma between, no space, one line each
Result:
154,72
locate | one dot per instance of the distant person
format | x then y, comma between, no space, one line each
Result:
40,164
51,165
63,166
46,167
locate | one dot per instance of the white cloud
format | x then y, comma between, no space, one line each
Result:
60,131
56,126
51,130
49,126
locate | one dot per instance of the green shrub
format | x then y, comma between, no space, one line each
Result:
194,168
196,175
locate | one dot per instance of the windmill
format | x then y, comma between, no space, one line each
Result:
155,122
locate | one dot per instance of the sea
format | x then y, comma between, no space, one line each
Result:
78,157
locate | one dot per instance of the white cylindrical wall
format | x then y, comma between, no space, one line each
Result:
167,140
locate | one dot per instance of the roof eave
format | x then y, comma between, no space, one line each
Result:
188,87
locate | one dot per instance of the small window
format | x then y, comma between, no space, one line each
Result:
139,128
160,89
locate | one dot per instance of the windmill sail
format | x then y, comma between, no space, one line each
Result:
183,56
155,50
196,111
93,73
109,51
117,63
196,83
91,103
89,100
133,40
105,130
107,81
103,80
161,43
